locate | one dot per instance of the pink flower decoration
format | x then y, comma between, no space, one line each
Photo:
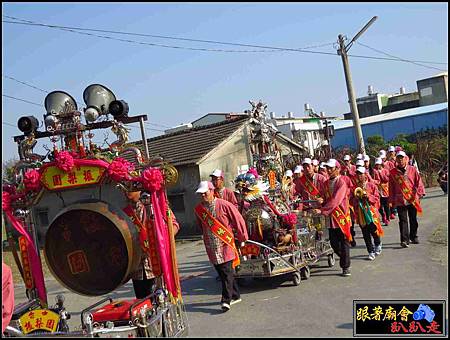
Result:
253,171
152,179
120,169
64,161
6,201
32,180
290,219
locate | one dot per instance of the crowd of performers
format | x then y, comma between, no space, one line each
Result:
346,194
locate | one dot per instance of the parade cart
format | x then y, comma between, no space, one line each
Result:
311,239
73,201
282,240
259,260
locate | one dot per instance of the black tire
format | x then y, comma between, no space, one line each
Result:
306,273
331,260
296,279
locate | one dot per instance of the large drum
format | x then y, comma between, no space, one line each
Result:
92,247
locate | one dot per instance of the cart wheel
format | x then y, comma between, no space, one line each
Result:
306,273
331,260
296,279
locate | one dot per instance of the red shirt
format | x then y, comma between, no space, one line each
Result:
228,195
414,180
318,181
335,192
228,215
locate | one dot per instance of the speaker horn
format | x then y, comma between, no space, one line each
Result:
60,103
27,124
97,98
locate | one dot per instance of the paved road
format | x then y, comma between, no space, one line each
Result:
318,307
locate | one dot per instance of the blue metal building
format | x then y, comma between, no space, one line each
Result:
391,124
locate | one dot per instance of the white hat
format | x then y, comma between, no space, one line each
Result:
378,160
315,162
298,169
382,156
307,161
361,169
360,156
217,173
347,158
204,186
366,158
288,173
332,163
391,148
382,152
359,162
401,153
322,165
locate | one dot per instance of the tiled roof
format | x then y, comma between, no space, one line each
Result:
189,146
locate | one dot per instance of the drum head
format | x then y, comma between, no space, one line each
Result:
87,249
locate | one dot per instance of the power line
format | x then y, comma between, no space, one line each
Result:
270,48
9,124
171,46
32,86
22,100
151,35
405,60
24,83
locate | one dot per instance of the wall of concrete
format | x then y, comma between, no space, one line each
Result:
182,199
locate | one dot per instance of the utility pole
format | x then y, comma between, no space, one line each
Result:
342,51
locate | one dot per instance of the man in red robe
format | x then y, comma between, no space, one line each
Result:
336,206
219,188
405,191
219,219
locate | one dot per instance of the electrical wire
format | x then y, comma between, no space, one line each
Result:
32,86
22,100
270,48
404,60
152,35
24,83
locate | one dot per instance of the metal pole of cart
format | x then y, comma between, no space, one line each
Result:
271,249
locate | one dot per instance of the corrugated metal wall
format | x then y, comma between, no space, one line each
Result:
388,129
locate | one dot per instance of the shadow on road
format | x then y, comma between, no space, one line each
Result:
202,307
345,326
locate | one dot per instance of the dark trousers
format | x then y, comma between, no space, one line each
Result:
405,213
352,230
230,289
340,246
143,288
384,208
368,232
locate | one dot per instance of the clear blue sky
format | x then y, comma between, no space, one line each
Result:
175,86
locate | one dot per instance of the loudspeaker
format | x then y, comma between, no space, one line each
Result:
60,103
118,108
27,124
97,98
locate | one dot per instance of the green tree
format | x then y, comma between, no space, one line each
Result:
402,140
374,144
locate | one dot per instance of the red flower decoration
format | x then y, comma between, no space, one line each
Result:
120,169
152,179
32,180
290,219
6,201
64,161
